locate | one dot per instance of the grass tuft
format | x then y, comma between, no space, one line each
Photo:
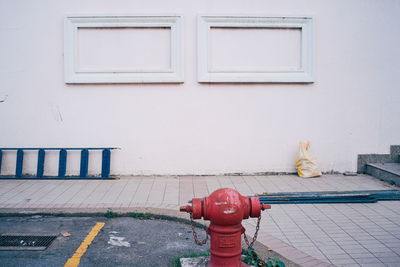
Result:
110,214
141,216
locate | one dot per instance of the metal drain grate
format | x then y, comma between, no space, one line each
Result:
25,242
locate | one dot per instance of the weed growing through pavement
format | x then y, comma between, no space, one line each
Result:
110,214
141,216
250,257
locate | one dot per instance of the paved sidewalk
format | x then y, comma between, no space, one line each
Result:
308,234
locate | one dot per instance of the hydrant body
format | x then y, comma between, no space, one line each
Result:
225,208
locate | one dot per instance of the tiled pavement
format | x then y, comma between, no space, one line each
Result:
308,234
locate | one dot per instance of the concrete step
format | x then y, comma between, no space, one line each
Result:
364,159
389,172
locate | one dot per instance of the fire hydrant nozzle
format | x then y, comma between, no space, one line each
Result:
265,206
186,209
225,209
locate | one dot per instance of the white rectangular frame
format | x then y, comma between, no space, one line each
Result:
303,75
72,23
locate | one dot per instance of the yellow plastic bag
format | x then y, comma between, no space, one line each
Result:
305,164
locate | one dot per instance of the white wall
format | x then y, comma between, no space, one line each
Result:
192,128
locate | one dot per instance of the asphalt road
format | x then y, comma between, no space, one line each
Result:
141,242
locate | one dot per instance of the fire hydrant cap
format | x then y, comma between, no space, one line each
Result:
197,208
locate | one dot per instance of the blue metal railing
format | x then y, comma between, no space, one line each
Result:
62,163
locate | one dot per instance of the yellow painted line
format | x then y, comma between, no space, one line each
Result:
76,258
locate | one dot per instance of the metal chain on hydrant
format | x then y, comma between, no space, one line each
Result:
250,245
195,237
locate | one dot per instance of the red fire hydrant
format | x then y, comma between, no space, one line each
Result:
225,208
